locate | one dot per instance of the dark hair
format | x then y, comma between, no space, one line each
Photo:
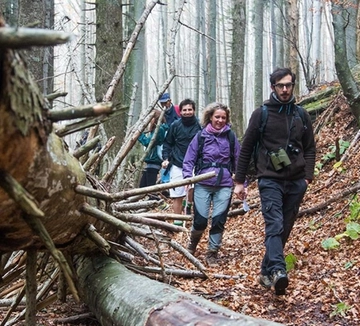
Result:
280,73
210,110
186,102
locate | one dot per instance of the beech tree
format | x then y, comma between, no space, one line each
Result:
237,64
348,84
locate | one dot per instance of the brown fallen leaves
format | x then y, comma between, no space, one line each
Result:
324,285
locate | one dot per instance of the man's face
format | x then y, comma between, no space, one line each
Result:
187,111
283,88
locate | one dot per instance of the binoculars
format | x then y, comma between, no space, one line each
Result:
279,159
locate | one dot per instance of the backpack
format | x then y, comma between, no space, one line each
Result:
251,171
200,164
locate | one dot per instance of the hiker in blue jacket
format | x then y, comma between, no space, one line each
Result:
172,112
152,159
216,153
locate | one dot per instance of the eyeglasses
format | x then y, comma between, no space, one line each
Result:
287,86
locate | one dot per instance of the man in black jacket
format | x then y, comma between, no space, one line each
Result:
284,168
177,140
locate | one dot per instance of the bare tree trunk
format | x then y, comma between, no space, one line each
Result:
347,81
237,67
258,22
211,51
41,60
109,50
293,14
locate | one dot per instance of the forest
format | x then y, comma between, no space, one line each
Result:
76,229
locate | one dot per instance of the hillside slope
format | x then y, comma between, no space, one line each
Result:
324,284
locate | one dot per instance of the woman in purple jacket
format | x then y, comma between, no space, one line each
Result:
215,148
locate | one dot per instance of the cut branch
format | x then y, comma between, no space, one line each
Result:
148,221
335,198
92,110
124,194
86,148
20,38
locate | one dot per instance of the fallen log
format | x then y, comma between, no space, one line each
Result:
118,296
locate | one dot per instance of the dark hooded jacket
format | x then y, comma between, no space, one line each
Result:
178,138
284,127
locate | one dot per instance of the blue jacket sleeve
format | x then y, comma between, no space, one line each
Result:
160,137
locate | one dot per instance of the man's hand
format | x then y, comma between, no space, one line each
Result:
165,164
240,191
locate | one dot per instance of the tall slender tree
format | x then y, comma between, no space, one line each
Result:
41,15
351,32
135,70
109,49
237,67
348,84
258,21
211,50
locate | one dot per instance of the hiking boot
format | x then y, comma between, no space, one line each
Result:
280,281
195,237
265,281
212,258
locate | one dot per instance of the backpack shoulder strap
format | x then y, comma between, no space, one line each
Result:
302,115
263,121
200,145
199,159
231,136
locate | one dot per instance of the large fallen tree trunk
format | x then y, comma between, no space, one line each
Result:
120,297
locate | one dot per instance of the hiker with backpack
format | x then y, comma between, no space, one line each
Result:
153,160
284,148
172,112
215,148
176,142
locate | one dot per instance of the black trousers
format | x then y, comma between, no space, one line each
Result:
280,202
149,177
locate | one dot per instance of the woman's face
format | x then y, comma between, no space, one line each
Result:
218,119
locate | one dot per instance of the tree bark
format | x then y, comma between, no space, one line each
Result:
346,79
120,297
37,160
238,115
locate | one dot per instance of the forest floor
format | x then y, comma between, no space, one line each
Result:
324,284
